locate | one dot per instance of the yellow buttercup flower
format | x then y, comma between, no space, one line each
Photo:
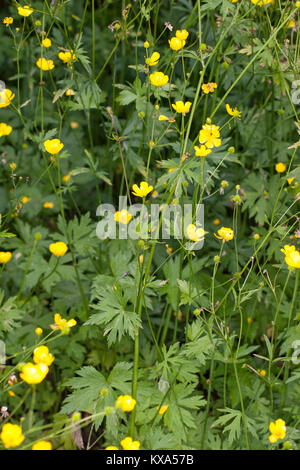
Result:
233,111
225,234
58,249
129,444
216,222
123,217
143,190
277,430
280,167
262,372
48,205
42,445
158,79
41,354
67,57
8,20
195,234
298,4
153,60
146,44
262,2
209,87
292,256
176,44
125,402
63,324
25,199
70,92
38,331
181,107
6,97
53,146
162,409
162,117
210,136
5,257
11,435
66,178
34,373
5,129
45,64
111,448
182,35
25,10
201,151
46,42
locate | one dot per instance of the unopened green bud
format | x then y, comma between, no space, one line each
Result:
231,150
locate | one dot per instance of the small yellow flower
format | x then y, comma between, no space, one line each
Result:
25,199
262,2
162,117
216,222
111,448
125,402
38,331
262,372
58,249
42,445
277,430
48,205
201,151
176,44
46,42
63,324
146,44
5,257
8,20
11,435
11,393
249,320
45,64
5,129
67,57
6,97
41,354
70,92
129,444
210,136
66,178
292,256
53,146
123,217
298,4
256,236
158,79
162,409
225,234
233,111
182,35
143,190
209,87
25,10
74,124
34,373
291,24
181,107
280,167
195,234
153,60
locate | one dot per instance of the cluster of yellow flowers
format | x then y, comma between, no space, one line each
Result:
178,41
12,436
127,444
35,373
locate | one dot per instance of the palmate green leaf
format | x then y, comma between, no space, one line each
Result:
176,364
10,314
178,418
113,316
157,439
92,391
